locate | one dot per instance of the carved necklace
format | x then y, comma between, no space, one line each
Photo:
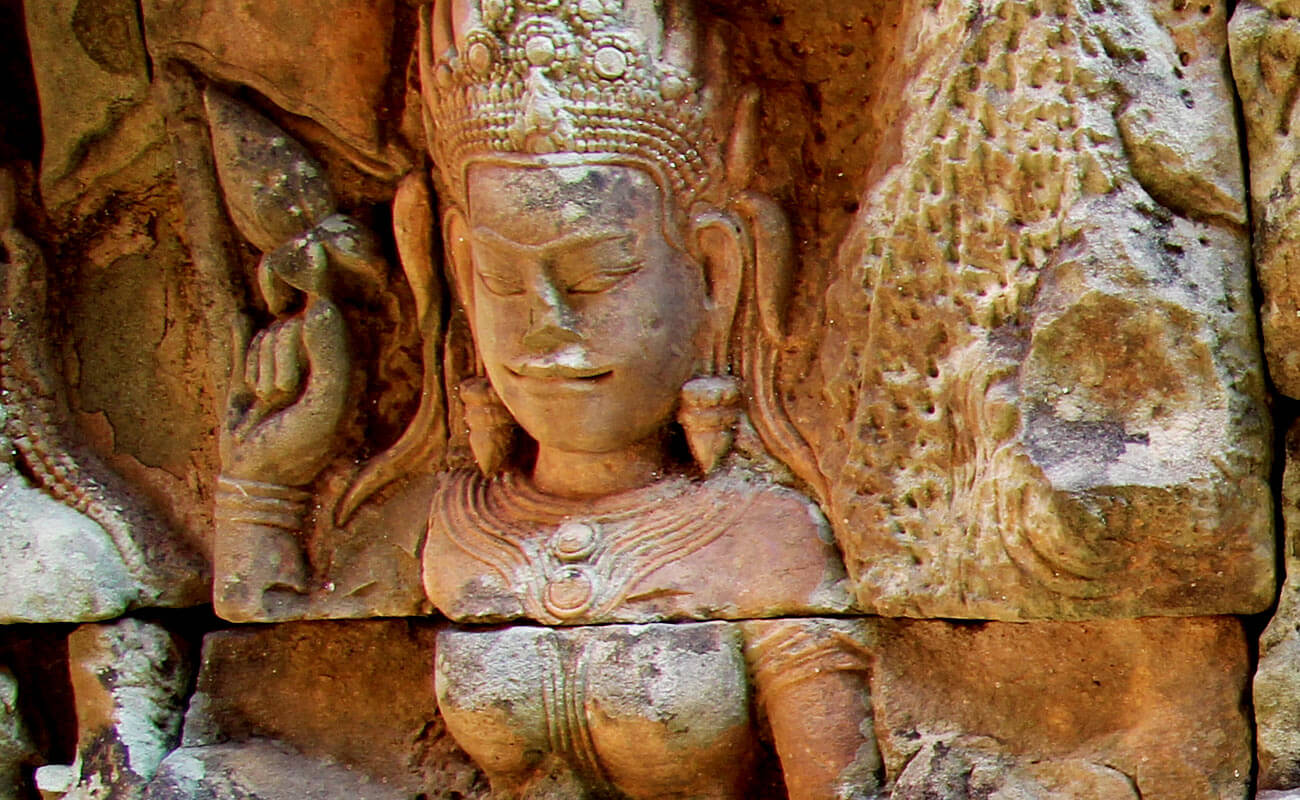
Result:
568,559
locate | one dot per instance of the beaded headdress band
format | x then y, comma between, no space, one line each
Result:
567,81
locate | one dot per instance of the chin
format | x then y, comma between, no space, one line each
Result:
569,439
587,424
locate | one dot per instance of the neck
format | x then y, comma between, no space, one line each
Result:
568,474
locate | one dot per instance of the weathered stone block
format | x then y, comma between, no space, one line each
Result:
1040,355
329,62
359,694
16,746
1155,705
57,564
103,130
1277,678
129,679
259,770
1265,43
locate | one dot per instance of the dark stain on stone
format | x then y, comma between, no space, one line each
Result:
1053,441
107,31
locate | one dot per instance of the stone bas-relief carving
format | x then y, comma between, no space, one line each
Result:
75,543
641,388
605,250
917,391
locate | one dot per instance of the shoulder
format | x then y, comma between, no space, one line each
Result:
469,568
769,511
785,542
773,507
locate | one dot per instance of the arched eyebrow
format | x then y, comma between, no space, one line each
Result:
574,241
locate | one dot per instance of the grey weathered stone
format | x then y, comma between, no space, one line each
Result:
54,781
1265,37
261,770
16,746
1277,677
56,565
974,768
129,679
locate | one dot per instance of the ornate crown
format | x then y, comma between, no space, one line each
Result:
594,80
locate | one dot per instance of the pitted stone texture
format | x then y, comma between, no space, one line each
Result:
257,770
130,679
357,694
1045,393
1157,702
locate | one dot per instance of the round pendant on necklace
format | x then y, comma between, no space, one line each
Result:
574,541
569,592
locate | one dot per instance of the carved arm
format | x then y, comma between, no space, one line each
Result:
810,677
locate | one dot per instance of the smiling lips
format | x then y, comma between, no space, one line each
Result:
567,364
544,371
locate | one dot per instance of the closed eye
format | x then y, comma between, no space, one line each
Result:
602,280
500,284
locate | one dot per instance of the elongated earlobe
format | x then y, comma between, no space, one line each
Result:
725,249
710,403
460,258
491,428
709,410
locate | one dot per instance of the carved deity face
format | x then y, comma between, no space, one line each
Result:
587,318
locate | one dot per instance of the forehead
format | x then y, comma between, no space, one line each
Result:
536,204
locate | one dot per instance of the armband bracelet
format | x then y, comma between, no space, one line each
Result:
256,503
781,652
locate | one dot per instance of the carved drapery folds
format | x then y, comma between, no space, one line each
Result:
716,399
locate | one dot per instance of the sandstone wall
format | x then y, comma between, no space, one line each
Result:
1027,365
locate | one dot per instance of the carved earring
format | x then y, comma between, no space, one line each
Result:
708,413
491,428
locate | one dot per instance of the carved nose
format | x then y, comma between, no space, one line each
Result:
551,323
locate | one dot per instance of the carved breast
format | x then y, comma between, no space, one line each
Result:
650,710
726,548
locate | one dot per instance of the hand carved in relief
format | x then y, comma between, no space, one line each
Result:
290,381
287,396
625,289
289,384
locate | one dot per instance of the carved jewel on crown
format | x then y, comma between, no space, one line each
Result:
604,79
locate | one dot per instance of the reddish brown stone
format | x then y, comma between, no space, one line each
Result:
1158,700
356,693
